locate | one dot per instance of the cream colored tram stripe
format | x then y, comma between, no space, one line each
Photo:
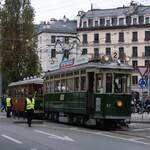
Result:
11,139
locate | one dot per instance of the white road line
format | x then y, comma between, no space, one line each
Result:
66,138
113,136
141,129
12,139
33,149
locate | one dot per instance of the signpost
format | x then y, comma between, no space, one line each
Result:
142,82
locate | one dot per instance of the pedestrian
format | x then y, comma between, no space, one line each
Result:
8,105
3,104
29,107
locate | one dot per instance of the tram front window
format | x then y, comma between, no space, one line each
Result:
120,83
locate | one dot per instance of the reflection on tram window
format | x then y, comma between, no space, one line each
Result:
63,85
120,83
108,83
57,86
69,85
99,83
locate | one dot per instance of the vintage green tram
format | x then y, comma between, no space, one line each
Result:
93,90
19,90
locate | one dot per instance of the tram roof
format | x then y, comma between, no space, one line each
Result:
90,65
27,81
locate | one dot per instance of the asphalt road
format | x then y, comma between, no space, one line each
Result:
52,136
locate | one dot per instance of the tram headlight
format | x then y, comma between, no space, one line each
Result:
127,58
119,104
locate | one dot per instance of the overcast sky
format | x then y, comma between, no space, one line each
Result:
47,9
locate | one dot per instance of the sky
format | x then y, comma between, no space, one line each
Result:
47,9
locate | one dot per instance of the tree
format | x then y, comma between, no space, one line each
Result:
18,44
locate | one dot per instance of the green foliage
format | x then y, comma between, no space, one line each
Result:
18,44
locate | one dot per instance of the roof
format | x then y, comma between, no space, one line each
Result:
28,81
59,26
139,10
91,65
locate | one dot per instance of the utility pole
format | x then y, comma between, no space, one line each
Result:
148,81
0,83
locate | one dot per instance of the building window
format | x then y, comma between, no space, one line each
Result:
84,38
134,80
147,51
121,37
90,23
147,63
147,20
67,40
84,24
141,19
96,38
108,38
147,35
107,22
134,21
121,21
108,51
84,51
114,21
134,36
128,20
53,39
96,23
53,53
96,52
135,63
102,22
121,53
134,52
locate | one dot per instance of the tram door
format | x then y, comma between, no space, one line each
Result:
90,103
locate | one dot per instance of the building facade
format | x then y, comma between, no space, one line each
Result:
54,38
123,31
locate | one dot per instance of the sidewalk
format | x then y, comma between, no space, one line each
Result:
140,118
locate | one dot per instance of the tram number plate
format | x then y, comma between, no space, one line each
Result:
98,104
62,97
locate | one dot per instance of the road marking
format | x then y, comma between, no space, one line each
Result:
112,136
33,149
141,129
65,138
12,139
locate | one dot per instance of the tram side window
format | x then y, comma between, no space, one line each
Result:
76,83
99,82
83,83
120,83
69,84
51,86
63,85
108,83
57,85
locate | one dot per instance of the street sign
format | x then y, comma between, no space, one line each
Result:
142,83
142,70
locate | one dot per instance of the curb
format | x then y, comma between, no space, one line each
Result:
140,121
25,121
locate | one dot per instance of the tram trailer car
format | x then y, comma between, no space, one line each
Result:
94,90
20,90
